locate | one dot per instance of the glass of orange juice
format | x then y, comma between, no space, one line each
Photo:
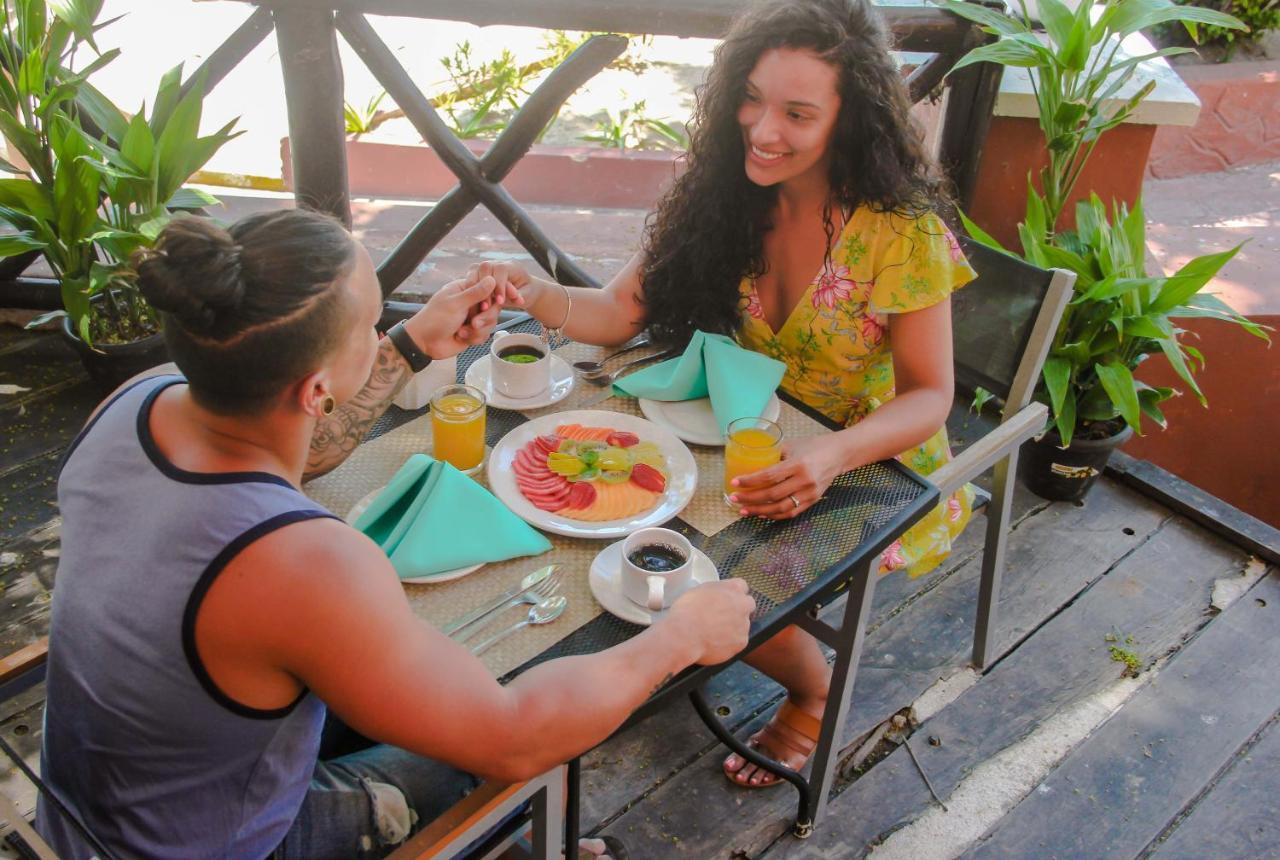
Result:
457,426
751,444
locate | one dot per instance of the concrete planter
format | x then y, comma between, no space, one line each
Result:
556,175
1239,121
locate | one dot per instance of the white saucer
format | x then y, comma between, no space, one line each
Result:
562,379
446,576
605,580
693,421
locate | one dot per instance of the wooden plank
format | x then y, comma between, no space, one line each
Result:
1195,504
1053,555
45,422
1236,820
28,496
1124,784
1159,594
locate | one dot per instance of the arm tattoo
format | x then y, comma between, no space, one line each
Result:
338,435
662,683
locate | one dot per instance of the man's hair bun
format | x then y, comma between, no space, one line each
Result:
193,273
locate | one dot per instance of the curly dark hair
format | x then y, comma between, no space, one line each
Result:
708,231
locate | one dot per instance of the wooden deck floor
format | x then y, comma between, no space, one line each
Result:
1054,752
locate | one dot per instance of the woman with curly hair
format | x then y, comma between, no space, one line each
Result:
804,227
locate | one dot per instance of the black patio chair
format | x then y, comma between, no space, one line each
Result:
1003,324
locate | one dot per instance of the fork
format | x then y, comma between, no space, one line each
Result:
540,593
606,379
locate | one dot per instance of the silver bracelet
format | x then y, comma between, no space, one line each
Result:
553,336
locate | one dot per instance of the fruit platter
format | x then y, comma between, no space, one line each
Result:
592,473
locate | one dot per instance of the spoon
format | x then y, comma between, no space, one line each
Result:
608,378
594,368
541,613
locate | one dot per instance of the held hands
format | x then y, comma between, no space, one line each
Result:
462,313
717,616
782,491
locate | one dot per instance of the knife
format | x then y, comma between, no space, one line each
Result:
525,584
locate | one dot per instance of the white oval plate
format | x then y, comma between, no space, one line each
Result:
446,576
682,476
693,421
562,380
605,579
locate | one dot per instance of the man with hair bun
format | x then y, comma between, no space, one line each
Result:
192,661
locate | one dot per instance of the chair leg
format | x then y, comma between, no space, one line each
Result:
998,515
548,813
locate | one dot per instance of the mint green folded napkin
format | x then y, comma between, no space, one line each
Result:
738,381
432,519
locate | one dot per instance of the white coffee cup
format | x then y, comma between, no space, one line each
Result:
656,589
519,380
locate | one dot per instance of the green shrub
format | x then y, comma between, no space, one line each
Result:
1258,16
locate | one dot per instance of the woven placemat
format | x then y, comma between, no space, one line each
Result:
374,463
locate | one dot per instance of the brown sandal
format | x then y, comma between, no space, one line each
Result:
802,724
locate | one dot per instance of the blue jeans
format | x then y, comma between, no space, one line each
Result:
365,799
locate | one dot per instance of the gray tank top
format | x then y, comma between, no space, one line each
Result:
139,741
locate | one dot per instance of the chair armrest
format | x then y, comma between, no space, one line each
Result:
983,454
475,815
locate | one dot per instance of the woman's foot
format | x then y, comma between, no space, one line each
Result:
606,848
788,738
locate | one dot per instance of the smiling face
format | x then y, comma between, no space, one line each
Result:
788,116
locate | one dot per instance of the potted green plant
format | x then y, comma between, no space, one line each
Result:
1119,316
97,184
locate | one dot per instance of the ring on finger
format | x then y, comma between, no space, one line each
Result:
794,500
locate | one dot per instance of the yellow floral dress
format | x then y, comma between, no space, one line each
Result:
839,360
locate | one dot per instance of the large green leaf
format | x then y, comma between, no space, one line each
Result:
1057,20
1173,352
102,111
1135,15
167,96
1209,306
1190,279
1118,382
13,244
1112,287
1150,326
1004,52
1057,380
997,21
978,234
1065,418
26,196
191,198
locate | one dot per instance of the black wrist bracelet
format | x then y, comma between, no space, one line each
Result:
414,357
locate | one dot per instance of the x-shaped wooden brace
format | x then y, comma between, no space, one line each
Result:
478,178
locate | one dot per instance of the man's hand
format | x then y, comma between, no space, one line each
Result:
717,618
461,314
782,491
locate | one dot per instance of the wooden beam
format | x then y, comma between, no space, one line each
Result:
915,28
313,92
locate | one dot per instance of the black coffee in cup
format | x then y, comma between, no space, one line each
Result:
656,558
522,354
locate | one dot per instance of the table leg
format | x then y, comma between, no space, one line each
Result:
572,826
847,643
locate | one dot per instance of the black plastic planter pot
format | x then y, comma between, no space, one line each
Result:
110,364
1066,474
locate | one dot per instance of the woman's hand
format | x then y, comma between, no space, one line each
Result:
514,286
462,313
782,491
